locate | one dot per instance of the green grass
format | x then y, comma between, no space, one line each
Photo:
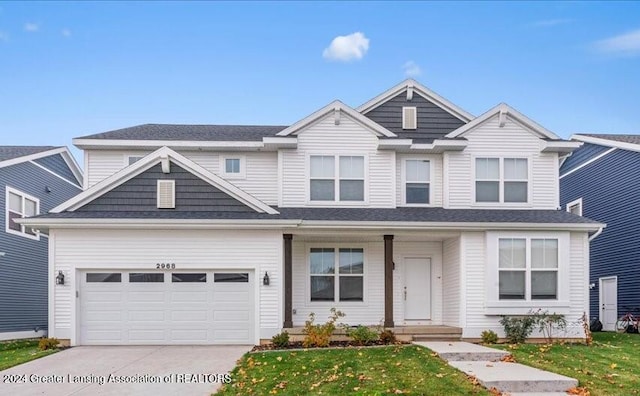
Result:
13,353
611,366
361,371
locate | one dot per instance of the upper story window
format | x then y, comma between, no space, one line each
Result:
20,205
503,180
417,174
528,268
575,207
233,167
347,184
341,282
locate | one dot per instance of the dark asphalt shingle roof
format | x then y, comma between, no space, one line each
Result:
635,139
191,132
428,215
11,152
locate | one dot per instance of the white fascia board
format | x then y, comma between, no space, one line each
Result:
606,142
431,226
32,157
280,142
394,144
564,147
514,114
332,107
407,145
186,144
146,223
73,165
423,91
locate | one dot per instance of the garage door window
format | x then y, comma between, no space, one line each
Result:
104,277
188,278
146,278
231,277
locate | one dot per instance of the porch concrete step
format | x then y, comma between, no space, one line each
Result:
435,337
515,377
463,351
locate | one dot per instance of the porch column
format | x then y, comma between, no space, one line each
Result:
388,281
288,284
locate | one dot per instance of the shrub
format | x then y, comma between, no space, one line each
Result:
319,335
48,343
388,337
362,335
489,337
281,340
547,323
517,329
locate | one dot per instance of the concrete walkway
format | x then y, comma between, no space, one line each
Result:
125,370
484,364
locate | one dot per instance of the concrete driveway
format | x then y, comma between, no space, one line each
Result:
125,370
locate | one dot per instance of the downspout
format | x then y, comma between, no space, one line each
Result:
594,236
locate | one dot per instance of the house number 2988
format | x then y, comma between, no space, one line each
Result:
167,266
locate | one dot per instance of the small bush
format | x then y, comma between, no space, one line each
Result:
48,343
280,340
517,329
319,335
388,337
489,337
362,335
548,323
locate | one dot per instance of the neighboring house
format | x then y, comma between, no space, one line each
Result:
405,211
33,181
601,180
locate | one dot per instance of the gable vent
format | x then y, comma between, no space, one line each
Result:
166,194
409,118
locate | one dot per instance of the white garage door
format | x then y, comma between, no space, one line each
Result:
161,308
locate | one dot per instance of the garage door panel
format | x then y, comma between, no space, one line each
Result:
231,315
145,296
94,316
189,296
146,316
231,336
147,336
104,335
189,316
104,296
196,336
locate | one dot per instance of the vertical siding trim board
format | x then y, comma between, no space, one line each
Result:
388,280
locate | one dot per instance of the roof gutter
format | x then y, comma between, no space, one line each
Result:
597,233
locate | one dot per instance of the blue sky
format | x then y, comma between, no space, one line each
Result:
71,69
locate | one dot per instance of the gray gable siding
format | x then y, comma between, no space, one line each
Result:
24,267
139,194
57,164
610,192
433,121
586,152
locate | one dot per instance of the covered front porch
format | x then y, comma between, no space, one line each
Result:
408,281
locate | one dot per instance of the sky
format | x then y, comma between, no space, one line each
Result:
69,69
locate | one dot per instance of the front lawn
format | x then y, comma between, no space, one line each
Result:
365,371
13,353
611,366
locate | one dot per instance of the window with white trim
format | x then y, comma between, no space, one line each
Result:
575,207
528,269
20,205
502,180
336,274
233,166
347,184
417,175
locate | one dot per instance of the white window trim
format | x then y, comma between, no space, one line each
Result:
574,203
403,178
336,285
168,181
415,118
495,306
336,177
501,203
243,167
6,212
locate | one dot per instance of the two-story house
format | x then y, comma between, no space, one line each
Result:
33,180
601,180
406,211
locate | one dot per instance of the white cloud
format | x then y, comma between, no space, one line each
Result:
624,44
551,22
347,48
31,27
411,69
66,32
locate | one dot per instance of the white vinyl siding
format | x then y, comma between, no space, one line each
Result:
511,141
141,250
347,139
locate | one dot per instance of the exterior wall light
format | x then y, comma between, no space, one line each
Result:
60,278
265,280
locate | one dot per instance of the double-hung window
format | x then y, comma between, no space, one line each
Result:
336,178
417,181
528,268
502,180
20,205
336,274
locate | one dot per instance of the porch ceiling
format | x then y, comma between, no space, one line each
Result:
340,235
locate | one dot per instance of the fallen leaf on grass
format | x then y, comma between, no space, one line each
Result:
579,391
508,359
439,375
613,366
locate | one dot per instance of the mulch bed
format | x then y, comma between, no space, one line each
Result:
332,344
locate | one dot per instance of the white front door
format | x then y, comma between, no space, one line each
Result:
609,303
417,289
